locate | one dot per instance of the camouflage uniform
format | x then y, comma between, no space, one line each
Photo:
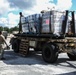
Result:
2,41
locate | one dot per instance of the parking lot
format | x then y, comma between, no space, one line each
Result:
15,64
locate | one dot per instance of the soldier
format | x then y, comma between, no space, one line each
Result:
2,41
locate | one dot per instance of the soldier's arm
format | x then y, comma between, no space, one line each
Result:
4,41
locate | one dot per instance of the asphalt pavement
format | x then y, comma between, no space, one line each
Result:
15,64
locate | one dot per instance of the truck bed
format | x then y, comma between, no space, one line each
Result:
53,36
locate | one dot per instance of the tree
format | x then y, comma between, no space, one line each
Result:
14,29
9,30
6,29
1,28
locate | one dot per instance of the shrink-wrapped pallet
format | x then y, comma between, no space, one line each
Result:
31,23
25,28
52,22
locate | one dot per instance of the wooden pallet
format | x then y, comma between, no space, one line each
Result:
24,48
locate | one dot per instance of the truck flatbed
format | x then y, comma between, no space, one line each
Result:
32,35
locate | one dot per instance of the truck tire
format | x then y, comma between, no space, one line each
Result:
15,45
72,56
49,53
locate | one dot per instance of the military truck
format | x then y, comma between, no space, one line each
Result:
51,32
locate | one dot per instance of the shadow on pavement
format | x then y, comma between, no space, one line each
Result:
33,58
65,62
16,59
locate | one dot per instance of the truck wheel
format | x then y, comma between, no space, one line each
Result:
72,56
49,53
15,45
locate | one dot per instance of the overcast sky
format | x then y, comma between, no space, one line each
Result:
9,9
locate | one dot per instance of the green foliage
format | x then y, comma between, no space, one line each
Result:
6,29
9,30
1,28
14,29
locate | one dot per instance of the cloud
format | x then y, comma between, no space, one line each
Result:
4,7
11,20
33,6
28,7
75,16
22,4
3,22
39,6
45,4
64,4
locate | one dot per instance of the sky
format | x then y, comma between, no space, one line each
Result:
9,9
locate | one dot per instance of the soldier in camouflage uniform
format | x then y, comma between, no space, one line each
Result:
2,41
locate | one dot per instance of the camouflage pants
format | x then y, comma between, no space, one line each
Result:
1,51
